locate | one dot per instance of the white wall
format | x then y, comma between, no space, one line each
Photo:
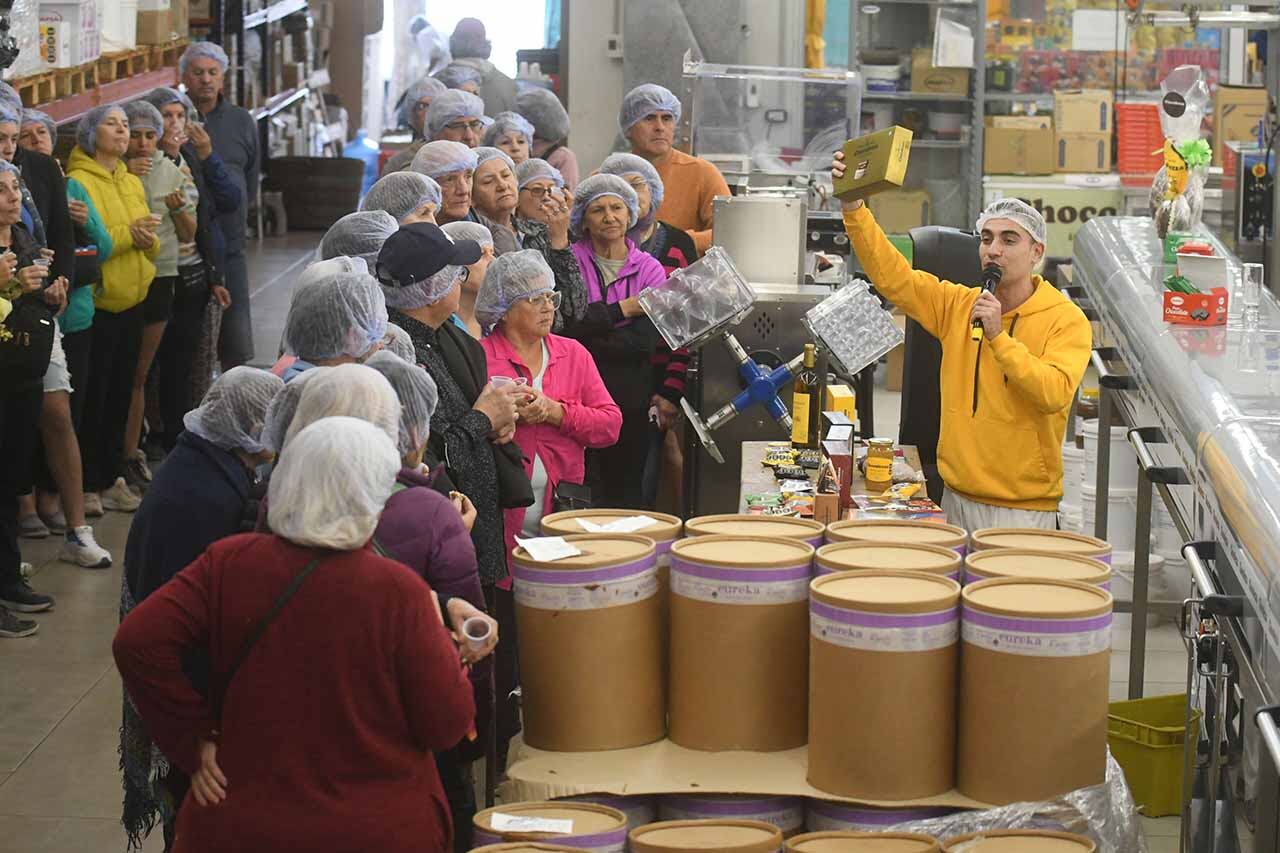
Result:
595,80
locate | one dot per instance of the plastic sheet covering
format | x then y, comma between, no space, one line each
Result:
853,326
24,25
700,300
1105,813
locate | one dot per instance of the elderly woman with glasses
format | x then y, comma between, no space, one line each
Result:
456,116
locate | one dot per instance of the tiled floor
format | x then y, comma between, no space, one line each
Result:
60,695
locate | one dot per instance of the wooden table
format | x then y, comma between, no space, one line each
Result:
758,479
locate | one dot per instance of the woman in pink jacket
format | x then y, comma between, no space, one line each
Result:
567,408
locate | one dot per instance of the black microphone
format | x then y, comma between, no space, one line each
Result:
991,275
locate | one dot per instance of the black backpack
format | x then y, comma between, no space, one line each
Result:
26,342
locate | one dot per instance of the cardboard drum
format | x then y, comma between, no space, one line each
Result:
1025,563
639,809
705,836
592,656
883,655
1055,541
664,530
524,847
862,842
582,826
805,529
739,643
828,816
904,532
881,556
1034,678
786,813
1019,841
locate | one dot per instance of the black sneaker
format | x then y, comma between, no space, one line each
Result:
18,595
12,627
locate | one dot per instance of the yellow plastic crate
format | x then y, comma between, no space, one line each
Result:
1146,737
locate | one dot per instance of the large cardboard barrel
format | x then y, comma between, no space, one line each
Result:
906,532
583,826
833,816
664,530
1053,541
639,809
592,656
706,836
886,644
786,813
1025,563
1019,841
1034,685
892,556
739,643
805,529
862,842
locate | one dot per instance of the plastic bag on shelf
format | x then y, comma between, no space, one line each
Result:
700,300
1177,191
853,326
24,26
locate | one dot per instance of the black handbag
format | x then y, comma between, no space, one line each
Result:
88,267
26,341
570,496
514,489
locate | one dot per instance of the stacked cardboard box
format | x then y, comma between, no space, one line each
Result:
1236,113
155,21
69,33
1083,127
1018,145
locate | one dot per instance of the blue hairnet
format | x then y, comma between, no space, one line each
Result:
359,235
87,129
232,414
338,315
401,193
486,153
646,99
9,96
8,116
38,117
456,76
6,166
142,115
418,398
545,112
510,277
427,87
465,230
593,188
451,106
162,96
536,169
443,157
203,50
630,164
505,123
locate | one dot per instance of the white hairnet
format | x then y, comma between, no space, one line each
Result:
142,114
331,266
464,230
512,276
508,122
275,424
646,99
427,87
485,153
545,112
401,193
418,397
330,491
359,235
593,188
631,164
451,106
9,97
536,169
348,390
456,76
38,117
162,96
203,50
1024,215
342,314
443,157
397,341
423,293
87,129
233,411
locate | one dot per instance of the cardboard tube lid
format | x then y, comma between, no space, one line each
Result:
886,591
1026,563
666,527
1019,841
722,836
525,847
847,556
1039,540
599,550
753,525
1051,599
841,841
906,531
588,818
743,552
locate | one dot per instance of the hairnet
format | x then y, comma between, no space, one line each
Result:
418,397
468,39
87,129
280,412
464,230
451,106
593,188
427,87
232,413
348,390
331,266
142,115
443,157
536,169
397,341
545,112
330,492
423,293
456,76
1024,215
630,164
401,193
162,96
512,276
341,314
359,235
38,117
6,167
203,50
505,123
10,116
486,153
9,97
646,99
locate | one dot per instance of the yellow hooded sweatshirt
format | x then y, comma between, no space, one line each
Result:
119,199
1005,401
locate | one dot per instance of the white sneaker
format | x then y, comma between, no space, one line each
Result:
120,497
83,550
93,505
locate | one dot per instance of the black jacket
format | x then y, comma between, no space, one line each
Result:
43,178
218,195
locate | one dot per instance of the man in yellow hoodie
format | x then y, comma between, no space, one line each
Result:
1006,396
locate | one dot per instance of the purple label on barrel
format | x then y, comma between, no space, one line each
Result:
578,578
727,585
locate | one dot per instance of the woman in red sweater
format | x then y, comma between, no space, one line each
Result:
328,723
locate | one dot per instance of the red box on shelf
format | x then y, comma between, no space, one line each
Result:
1138,135
1196,309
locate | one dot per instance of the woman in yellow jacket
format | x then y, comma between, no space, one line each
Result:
1006,396
97,163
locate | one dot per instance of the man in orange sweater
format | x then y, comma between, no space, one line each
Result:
1006,396
648,119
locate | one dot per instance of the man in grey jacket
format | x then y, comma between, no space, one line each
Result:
235,139
470,47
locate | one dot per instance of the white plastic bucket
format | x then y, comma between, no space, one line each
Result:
1073,475
1157,583
1070,518
1122,515
881,115
1124,464
882,78
119,25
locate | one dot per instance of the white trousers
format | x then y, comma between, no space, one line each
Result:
972,515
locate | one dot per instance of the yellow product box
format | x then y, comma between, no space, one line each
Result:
874,163
840,398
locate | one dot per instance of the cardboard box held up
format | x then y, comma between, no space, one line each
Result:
874,163
938,81
1236,113
1018,151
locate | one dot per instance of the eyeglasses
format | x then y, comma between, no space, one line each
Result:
475,125
539,192
554,298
